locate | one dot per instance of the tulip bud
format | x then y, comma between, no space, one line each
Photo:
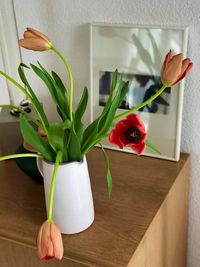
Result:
35,40
49,241
174,68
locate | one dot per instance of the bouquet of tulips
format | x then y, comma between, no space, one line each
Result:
68,139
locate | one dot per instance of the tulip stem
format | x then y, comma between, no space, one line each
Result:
23,112
52,187
21,88
164,86
13,156
70,79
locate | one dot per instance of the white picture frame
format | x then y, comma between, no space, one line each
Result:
138,51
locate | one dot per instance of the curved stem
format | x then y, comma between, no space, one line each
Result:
70,78
52,187
23,112
13,156
21,88
164,86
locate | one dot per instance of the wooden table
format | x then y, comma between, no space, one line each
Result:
143,225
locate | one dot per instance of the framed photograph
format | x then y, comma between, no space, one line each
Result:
138,53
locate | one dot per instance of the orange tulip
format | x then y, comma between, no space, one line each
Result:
35,40
174,68
49,241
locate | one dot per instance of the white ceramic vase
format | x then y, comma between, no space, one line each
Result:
73,208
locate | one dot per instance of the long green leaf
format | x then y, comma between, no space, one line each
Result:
56,92
56,136
89,135
98,127
78,125
114,81
62,101
152,146
108,173
115,104
59,82
47,81
35,101
74,146
32,138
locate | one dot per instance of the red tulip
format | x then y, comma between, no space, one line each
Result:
174,68
35,40
129,132
49,241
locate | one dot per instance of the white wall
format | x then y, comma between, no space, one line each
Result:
66,22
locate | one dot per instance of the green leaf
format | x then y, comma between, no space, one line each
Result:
108,173
46,80
78,125
59,89
35,100
56,136
59,82
150,145
74,146
101,125
89,135
108,119
56,92
32,138
115,77
67,124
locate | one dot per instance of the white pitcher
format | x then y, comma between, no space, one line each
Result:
73,208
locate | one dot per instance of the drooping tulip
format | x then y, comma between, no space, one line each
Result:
129,132
49,241
35,40
174,68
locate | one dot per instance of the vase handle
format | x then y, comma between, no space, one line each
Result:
39,165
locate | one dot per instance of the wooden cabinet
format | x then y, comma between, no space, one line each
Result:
144,224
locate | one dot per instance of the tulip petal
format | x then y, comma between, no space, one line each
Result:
184,73
38,34
45,239
56,239
138,148
34,44
114,139
28,34
168,57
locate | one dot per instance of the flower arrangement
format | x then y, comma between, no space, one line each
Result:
69,140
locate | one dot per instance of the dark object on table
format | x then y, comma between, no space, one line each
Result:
28,165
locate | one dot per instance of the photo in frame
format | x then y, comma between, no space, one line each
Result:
138,53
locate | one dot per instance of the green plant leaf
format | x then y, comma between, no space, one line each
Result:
59,82
56,93
35,101
108,173
108,119
114,81
32,138
74,146
152,146
59,88
78,125
46,80
89,135
56,136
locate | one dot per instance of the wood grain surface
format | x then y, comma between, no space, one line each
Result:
140,185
